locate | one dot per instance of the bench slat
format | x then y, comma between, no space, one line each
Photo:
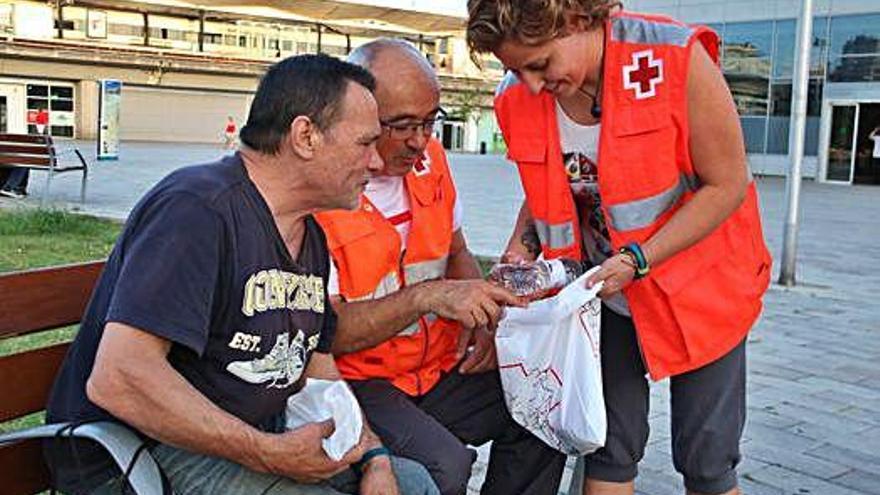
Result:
40,149
25,138
22,469
24,160
26,379
41,299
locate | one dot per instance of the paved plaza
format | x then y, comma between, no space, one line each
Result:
814,358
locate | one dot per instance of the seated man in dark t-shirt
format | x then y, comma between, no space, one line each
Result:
212,309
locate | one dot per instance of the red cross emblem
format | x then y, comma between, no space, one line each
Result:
644,74
422,166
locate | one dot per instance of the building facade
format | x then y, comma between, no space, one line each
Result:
186,67
758,54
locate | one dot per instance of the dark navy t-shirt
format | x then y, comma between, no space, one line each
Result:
201,264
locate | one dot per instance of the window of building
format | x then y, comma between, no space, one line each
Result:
784,49
747,62
58,100
758,62
862,68
855,34
854,49
66,25
126,30
780,116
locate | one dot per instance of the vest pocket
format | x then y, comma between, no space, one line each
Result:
640,159
640,119
714,292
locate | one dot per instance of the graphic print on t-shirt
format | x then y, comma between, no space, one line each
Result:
583,177
281,367
283,364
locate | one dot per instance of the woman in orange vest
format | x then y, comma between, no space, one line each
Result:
631,157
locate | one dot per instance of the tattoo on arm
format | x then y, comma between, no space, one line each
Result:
530,239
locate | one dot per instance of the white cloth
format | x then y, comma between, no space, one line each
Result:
580,157
876,139
321,400
388,194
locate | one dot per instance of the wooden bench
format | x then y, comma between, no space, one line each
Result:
37,152
33,301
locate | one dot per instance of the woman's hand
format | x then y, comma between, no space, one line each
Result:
617,272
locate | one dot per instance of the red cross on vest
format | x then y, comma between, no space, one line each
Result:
644,74
422,166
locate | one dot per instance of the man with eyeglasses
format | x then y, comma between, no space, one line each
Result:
411,302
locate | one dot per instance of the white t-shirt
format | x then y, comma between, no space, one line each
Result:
876,139
580,157
388,194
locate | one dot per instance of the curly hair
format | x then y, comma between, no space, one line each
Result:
531,22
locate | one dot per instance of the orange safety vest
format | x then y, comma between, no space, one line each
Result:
696,306
365,247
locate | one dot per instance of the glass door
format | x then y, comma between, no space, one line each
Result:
842,143
12,113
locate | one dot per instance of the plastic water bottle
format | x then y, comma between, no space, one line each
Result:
536,278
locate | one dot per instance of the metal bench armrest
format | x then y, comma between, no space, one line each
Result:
81,158
120,442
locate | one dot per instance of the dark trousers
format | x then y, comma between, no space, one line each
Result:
708,407
434,429
14,179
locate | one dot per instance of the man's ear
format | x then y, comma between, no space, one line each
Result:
304,136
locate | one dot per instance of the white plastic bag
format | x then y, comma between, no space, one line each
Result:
320,400
548,358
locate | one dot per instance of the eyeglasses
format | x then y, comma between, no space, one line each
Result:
405,130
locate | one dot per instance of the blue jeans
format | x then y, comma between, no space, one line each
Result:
16,180
197,474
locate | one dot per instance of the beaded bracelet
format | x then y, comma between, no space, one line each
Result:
635,253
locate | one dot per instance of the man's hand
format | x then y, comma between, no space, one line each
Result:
299,455
473,303
377,477
482,357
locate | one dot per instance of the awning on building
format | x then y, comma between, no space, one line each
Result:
337,12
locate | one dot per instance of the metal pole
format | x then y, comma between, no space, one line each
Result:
796,142
201,31
59,16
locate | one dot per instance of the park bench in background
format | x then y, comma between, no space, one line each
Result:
33,301
38,152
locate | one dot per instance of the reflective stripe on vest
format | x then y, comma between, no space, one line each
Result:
647,32
388,285
425,270
420,272
644,212
555,236
430,318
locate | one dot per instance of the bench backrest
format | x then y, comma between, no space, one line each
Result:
31,150
32,301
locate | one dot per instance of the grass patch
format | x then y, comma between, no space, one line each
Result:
38,238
